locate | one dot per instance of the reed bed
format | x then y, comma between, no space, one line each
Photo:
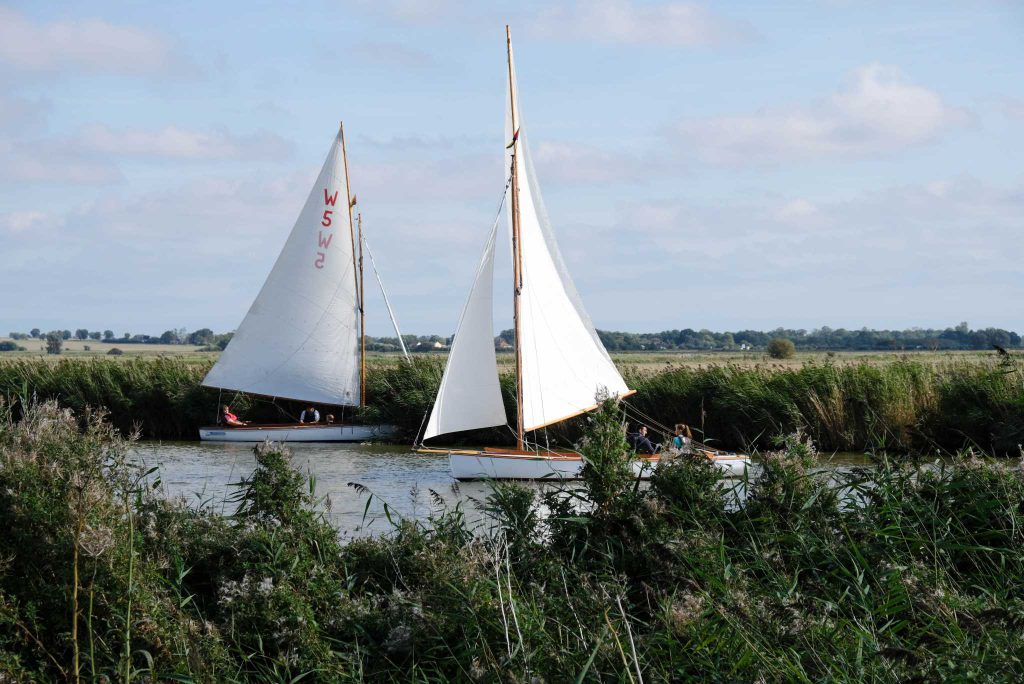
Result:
906,405
893,573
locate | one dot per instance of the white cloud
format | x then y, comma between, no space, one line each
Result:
568,162
1013,108
879,111
28,221
88,44
628,22
49,161
179,143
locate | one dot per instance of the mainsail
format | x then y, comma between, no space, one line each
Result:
564,365
470,396
299,339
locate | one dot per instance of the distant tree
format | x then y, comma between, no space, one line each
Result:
108,335
115,352
169,337
201,337
8,346
932,343
127,336
18,336
55,341
35,332
82,334
86,347
781,348
65,334
95,335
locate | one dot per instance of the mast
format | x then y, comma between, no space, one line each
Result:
352,235
517,251
362,318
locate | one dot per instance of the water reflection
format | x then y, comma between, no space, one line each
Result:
406,482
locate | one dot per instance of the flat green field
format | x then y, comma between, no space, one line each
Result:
77,348
642,360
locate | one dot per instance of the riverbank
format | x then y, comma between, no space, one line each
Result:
905,405
893,573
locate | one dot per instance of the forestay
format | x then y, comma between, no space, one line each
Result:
470,395
300,337
564,365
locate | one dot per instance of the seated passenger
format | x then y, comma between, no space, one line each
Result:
640,442
229,418
310,415
682,437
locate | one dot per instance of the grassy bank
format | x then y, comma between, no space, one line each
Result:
885,574
904,405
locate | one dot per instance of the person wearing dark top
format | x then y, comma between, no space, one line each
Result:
310,415
640,442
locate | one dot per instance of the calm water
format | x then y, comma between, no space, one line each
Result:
202,473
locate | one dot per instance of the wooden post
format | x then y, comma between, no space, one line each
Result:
362,317
517,249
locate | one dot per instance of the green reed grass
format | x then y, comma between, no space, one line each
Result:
905,405
891,573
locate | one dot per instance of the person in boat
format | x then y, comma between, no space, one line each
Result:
330,419
682,437
640,442
229,418
310,415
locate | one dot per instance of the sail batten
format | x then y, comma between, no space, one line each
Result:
300,337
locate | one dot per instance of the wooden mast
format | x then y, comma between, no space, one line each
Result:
352,235
362,318
517,250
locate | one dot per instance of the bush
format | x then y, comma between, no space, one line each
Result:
115,352
781,348
55,341
7,345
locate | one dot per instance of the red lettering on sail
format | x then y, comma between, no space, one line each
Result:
327,218
325,244
319,263
330,199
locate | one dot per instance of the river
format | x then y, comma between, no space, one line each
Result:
400,480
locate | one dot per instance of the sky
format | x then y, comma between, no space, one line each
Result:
725,165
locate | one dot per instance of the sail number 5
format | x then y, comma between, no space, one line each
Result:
324,241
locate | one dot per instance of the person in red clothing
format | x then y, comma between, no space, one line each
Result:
229,418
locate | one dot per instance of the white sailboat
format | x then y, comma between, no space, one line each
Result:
303,337
562,368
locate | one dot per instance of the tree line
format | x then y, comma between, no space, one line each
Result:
959,337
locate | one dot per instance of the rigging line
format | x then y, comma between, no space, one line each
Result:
387,302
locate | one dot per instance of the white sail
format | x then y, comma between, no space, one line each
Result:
300,337
564,365
470,395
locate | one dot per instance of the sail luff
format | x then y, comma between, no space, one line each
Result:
517,253
352,237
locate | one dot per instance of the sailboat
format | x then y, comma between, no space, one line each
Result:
562,369
304,335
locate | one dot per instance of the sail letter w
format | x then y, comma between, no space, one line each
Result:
330,199
324,244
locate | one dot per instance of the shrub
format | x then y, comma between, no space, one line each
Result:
781,348
55,342
7,345
115,352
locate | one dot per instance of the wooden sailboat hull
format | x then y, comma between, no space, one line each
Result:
512,465
298,433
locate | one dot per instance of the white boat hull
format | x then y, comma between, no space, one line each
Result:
298,433
484,465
